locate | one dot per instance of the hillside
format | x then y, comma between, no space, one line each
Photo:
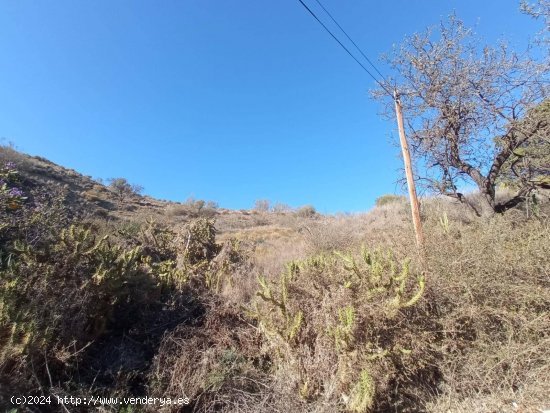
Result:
91,198
249,311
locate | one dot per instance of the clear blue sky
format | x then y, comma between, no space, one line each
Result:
230,101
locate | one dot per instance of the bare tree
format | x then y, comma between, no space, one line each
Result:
539,9
262,205
468,108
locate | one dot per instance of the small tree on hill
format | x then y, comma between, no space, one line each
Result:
307,211
262,205
123,189
195,205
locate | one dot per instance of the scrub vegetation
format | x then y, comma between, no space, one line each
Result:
245,311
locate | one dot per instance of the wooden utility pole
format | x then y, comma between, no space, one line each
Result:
415,209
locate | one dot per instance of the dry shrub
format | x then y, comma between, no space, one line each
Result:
490,285
488,291
214,364
196,243
307,211
281,208
233,221
491,280
177,210
446,208
332,333
271,256
331,234
270,248
389,199
97,194
390,217
231,272
192,208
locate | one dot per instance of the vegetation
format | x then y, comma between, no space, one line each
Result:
470,109
11,197
314,341
281,208
123,189
539,9
529,164
389,199
262,205
346,317
193,208
307,211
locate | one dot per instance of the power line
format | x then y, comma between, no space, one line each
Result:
365,56
345,48
350,39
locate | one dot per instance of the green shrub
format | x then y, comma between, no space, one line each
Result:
330,317
70,292
196,243
389,199
123,189
64,289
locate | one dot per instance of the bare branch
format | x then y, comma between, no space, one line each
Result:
468,108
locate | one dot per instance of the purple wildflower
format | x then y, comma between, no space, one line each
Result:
15,192
9,165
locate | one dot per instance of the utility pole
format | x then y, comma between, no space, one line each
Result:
409,173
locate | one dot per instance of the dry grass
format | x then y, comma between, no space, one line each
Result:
494,277
332,233
268,249
210,364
